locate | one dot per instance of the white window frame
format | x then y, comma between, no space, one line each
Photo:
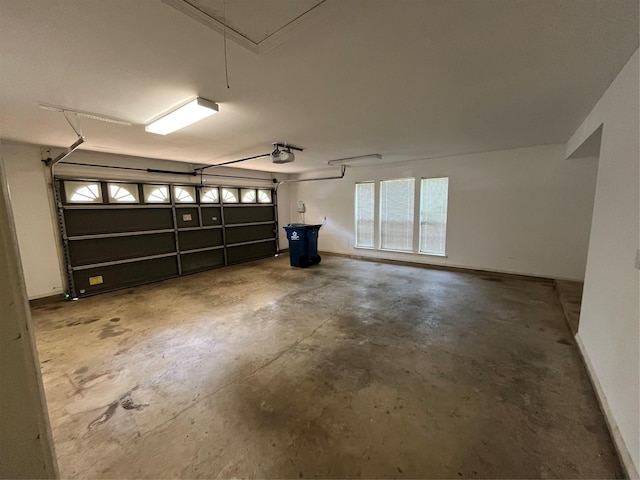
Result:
417,217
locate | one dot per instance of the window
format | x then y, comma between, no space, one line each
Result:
155,193
184,194
123,192
230,195
248,195
365,204
434,193
264,196
83,192
396,214
209,195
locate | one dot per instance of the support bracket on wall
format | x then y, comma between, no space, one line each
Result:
68,151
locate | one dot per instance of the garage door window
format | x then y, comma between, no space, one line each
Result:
248,195
83,192
156,194
123,193
264,196
209,195
230,195
184,194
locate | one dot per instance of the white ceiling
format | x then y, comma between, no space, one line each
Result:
408,79
255,20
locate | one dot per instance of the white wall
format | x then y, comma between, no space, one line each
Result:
35,216
32,207
26,449
609,331
523,211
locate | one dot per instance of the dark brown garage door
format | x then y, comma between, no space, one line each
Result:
118,234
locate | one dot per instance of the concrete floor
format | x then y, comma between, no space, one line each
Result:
570,295
347,369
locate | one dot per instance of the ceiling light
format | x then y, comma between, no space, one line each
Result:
184,116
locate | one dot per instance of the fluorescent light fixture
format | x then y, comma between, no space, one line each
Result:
189,113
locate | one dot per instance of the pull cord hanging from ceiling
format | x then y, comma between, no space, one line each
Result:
224,38
78,130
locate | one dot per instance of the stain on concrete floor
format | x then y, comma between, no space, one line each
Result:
350,369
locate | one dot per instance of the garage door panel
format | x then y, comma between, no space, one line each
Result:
123,275
187,217
102,221
211,216
195,239
244,214
199,261
254,251
99,250
249,233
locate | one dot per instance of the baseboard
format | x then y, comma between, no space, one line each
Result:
618,441
40,301
448,268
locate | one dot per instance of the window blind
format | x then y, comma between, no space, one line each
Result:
396,214
365,201
434,193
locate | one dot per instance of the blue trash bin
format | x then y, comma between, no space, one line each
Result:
303,244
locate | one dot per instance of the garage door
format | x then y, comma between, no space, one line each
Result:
118,234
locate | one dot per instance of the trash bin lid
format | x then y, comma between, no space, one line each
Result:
301,225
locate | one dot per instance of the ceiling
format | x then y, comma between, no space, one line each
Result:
252,23
408,79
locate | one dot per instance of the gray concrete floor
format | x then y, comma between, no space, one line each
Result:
348,369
